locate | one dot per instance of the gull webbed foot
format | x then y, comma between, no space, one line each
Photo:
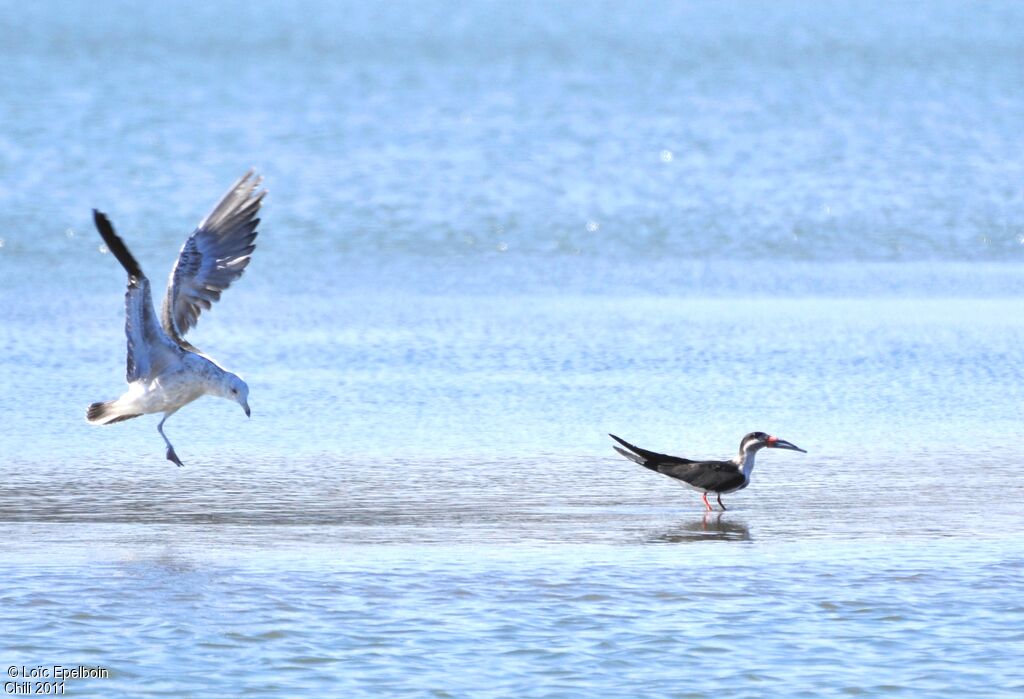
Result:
171,456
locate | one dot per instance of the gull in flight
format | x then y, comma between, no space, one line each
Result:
165,372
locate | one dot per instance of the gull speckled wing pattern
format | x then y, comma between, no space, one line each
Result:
214,256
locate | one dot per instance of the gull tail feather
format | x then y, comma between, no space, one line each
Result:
107,413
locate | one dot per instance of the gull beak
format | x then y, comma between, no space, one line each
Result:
776,443
245,407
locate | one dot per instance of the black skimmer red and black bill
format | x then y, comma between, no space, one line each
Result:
708,476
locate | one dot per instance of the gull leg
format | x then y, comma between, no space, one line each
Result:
171,456
706,503
720,501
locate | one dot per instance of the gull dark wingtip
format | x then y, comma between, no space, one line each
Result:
116,245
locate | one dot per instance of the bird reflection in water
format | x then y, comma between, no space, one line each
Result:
712,526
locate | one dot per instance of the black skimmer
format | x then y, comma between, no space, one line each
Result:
708,476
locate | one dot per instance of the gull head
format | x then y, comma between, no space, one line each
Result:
237,390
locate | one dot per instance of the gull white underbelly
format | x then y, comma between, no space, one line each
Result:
162,394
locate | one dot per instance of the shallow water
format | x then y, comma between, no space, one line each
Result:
493,236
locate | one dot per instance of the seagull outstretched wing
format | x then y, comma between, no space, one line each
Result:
215,255
149,349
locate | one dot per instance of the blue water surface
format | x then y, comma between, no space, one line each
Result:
494,233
